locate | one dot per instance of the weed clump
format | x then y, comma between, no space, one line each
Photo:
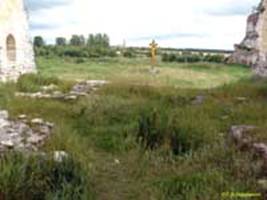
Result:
40,178
151,130
33,82
157,130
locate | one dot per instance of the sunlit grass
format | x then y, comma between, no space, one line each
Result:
199,75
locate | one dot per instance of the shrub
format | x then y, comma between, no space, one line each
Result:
75,52
188,58
80,60
214,58
129,53
180,58
165,57
41,51
111,53
191,58
169,57
172,58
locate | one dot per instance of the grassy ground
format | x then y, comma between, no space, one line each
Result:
135,141
200,75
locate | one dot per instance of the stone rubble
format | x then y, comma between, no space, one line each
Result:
198,100
22,135
242,137
82,88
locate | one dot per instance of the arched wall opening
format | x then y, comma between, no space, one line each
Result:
11,49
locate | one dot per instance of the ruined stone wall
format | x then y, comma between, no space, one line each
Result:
252,50
263,27
14,22
247,51
260,66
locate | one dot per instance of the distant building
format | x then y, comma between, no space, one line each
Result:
16,50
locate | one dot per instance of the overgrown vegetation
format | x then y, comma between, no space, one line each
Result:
74,51
187,57
40,177
139,137
34,83
137,70
161,129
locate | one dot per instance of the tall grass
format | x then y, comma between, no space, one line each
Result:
40,177
132,141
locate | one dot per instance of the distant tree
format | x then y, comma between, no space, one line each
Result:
105,40
91,40
82,40
38,41
98,41
77,40
61,41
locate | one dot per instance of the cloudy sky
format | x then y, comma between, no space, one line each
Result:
216,24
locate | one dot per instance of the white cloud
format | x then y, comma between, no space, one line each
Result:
176,23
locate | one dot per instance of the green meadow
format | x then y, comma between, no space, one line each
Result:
138,70
141,136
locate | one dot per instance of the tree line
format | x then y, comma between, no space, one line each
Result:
98,45
78,46
94,40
